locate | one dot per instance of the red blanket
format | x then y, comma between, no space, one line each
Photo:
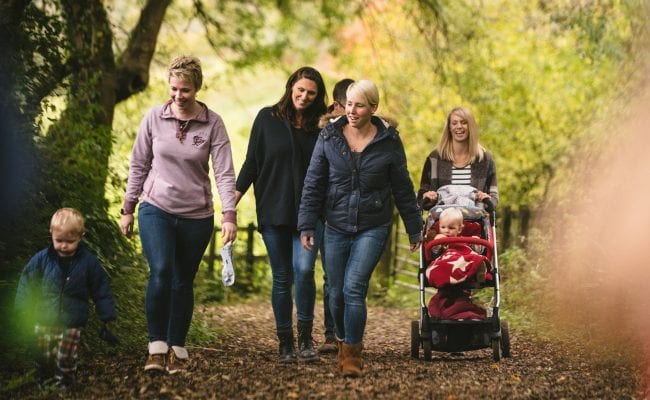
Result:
455,265
454,304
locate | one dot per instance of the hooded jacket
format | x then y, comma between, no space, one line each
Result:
358,198
52,297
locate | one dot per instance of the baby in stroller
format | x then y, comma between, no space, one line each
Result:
454,263
458,256
450,224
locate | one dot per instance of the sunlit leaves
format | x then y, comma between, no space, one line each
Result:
536,74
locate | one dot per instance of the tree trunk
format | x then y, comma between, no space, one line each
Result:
79,144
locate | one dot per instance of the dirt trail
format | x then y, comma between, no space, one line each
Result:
242,365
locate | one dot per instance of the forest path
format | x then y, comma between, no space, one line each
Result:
242,365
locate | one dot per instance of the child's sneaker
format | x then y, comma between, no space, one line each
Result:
155,362
44,375
177,360
63,381
62,386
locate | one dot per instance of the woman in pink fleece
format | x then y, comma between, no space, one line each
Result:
169,176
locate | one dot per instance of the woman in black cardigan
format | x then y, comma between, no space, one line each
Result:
279,149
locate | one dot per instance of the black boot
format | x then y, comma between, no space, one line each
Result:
306,350
63,380
287,347
44,374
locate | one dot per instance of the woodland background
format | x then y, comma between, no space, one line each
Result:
545,79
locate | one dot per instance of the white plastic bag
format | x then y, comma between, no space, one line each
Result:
227,270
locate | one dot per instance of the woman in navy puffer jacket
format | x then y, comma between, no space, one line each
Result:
357,169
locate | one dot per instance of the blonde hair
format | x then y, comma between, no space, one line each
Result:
188,69
365,89
69,220
476,152
453,214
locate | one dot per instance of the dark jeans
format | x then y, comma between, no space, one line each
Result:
291,263
350,260
174,247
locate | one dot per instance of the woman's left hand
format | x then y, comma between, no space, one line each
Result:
228,232
480,196
415,246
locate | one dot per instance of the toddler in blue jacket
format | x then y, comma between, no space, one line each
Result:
54,291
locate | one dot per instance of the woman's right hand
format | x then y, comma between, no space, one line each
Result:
431,195
126,225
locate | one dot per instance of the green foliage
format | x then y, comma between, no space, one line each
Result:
41,60
535,74
76,150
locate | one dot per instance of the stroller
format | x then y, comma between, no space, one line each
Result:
444,334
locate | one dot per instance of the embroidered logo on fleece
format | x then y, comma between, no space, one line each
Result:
197,141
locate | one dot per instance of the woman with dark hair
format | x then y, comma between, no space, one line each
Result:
279,149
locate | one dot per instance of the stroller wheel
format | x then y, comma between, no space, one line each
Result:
496,349
505,339
415,339
426,344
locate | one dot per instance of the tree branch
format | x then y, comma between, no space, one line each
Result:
133,65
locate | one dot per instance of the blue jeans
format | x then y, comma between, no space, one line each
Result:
349,261
291,263
174,247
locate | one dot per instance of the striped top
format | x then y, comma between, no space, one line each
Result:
461,176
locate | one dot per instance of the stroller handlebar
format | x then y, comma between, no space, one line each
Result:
489,207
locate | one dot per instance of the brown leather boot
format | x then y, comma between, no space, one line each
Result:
352,363
339,353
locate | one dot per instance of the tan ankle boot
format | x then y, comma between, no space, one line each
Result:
339,353
352,362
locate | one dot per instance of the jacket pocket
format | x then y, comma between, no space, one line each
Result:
375,202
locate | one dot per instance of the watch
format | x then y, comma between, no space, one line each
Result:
122,212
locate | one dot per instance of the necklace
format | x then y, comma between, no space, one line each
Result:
181,131
184,126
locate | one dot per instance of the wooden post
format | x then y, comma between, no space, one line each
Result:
507,224
524,220
393,262
250,232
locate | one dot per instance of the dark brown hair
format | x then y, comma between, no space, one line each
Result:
284,108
